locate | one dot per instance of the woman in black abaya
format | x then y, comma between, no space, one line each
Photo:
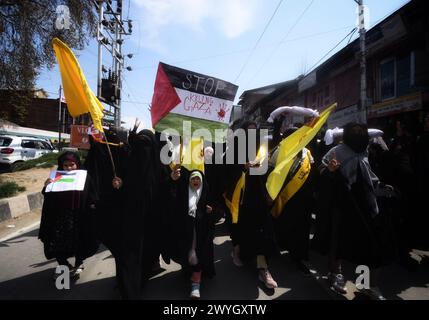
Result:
67,223
143,236
349,224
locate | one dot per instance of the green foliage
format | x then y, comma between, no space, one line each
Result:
9,189
46,161
27,29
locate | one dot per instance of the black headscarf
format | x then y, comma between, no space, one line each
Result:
68,155
289,131
356,136
246,124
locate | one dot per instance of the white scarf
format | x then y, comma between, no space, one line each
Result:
194,197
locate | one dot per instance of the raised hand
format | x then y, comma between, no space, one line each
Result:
175,174
333,163
117,183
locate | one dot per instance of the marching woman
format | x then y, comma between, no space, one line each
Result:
252,230
194,223
141,228
109,189
67,223
294,205
348,220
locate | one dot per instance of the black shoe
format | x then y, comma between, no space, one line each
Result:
76,272
337,282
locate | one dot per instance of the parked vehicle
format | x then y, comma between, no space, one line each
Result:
16,149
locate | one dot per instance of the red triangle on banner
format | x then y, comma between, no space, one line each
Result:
164,97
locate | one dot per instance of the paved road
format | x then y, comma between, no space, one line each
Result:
26,274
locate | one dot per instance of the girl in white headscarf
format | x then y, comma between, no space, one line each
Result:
194,231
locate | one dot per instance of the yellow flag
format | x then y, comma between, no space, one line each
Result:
79,96
233,204
193,155
290,147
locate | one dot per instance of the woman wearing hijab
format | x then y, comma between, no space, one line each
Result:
294,205
346,223
194,231
108,213
252,234
141,226
66,227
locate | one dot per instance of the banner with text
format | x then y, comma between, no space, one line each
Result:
183,95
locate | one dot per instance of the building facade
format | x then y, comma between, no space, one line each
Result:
397,59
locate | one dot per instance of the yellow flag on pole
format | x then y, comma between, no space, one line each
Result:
193,155
233,202
79,96
290,147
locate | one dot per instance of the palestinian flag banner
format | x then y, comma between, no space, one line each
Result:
183,95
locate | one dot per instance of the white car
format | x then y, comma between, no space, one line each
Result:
15,149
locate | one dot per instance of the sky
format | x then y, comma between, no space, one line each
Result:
239,41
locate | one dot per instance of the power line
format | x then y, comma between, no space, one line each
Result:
350,33
259,39
282,41
308,36
351,36
133,103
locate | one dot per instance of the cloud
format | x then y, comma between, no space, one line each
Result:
237,17
230,17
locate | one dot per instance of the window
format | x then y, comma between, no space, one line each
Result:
28,144
39,145
4,142
46,145
403,71
397,76
387,79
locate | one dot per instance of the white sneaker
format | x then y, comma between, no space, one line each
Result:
195,290
77,272
267,279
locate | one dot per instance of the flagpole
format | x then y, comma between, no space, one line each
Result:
110,155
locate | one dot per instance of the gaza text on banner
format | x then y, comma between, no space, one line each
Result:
183,95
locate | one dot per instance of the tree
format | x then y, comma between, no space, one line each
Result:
27,28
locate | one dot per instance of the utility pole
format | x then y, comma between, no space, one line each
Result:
100,51
59,117
110,32
362,39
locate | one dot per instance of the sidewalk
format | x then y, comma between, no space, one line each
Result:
16,206
28,200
